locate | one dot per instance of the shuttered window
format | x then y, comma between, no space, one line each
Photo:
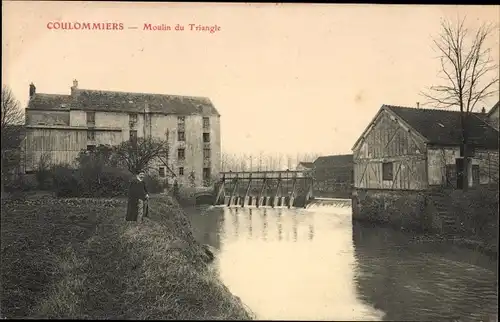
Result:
387,173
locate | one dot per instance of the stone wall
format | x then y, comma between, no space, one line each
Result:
399,208
471,215
476,215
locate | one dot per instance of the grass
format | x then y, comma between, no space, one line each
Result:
79,259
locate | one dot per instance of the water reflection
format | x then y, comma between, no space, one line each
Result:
422,281
250,226
314,264
280,226
264,223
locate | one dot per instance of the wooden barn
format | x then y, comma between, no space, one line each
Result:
332,174
416,149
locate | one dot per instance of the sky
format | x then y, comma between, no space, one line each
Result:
286,78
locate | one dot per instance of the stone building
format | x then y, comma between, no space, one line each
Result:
60,126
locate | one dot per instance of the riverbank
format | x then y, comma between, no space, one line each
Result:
421,236
79,259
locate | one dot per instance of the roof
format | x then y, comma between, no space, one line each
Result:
494,108
307,164
442,127
49,101
85,99
334,160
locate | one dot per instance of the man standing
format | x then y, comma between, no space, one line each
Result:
137,196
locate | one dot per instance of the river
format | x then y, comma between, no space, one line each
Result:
315,264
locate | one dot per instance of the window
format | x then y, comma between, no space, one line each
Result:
387,171
206,137
181,171
181,154
133,135
132,119
181,136
161,172
206,153
475,175
206,122
206,174
91,118
451,175
91,135
90,147
181,119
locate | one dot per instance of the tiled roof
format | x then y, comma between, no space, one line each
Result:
334,160
125,101
442,127
49,101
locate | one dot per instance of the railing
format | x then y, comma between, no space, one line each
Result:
264,174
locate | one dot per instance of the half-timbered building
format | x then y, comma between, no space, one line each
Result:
416,149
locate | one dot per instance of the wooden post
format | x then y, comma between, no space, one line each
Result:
233,191
246,192
264,183
292,195
276,192
309,192
219,192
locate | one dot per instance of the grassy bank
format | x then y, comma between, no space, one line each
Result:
78,258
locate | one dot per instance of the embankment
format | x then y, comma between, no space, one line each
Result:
467,217
79,259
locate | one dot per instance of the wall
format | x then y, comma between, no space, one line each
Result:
471,215
493,118
193,144
156,125
399,208
77,118
390,141
216,145
34,117
439,157
59,145
476,215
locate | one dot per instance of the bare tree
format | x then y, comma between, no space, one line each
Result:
289,161
12,119
12,113
469,75
139,154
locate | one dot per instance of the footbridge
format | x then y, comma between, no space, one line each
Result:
264,189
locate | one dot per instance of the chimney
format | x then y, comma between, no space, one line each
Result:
74,88
32,90
418,104
483,110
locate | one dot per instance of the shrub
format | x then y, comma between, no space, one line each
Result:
154,184
66,182
21,183
113,182
42,173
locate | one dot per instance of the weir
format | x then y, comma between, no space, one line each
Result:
264,189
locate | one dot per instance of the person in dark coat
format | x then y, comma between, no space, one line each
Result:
137,196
